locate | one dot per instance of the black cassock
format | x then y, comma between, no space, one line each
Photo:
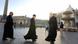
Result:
32,30
8,28
52,29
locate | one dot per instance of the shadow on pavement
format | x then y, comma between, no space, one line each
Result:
7,42
29,42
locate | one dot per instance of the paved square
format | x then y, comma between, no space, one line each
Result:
65,38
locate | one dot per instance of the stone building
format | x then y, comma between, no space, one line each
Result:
68,17
19,20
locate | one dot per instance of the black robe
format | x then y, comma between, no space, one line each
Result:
32,30
8,27
61,25
52,29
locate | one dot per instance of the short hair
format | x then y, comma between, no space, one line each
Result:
11,13
34,15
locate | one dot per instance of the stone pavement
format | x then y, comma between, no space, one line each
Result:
65,38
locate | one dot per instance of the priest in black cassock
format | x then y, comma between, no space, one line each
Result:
52,29
8,27
32,30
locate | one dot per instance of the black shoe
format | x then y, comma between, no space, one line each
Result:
4,39
12,38
33,40
52,42
25,38
47,39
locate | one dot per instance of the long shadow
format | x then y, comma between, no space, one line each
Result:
6,42
29,42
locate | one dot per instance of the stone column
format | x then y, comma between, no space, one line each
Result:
5,9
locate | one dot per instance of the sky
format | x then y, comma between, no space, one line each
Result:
41,8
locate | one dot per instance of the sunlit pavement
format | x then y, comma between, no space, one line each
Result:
65,38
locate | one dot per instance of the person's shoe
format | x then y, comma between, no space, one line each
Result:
47,39
33,40
52,42
12,38
4,39
25,38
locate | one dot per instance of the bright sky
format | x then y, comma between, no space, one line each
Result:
41,8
